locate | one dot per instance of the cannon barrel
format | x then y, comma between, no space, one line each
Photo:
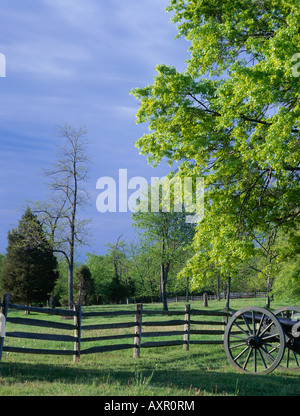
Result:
286,323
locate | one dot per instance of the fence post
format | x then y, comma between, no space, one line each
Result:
77,334
138,330
225,321
4,309
187,318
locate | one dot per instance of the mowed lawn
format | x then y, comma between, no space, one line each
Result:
162,371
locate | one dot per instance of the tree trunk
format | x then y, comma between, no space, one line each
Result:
164,269
228,292
218,287
268,292
70,284
187,288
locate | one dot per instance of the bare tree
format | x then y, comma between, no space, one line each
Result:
67,181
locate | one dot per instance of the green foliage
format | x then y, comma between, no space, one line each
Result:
29,270
110,274
145,271
102,273
168,231
233,117
120,287
287,281
85,285
60,291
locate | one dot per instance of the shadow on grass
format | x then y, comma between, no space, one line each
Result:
174,381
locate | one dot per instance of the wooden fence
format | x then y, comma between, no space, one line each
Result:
233,295
186,332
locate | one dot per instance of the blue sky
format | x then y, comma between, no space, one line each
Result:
74,61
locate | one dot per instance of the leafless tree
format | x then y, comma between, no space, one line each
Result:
67,181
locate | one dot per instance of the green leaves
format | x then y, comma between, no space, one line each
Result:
232,117
29,269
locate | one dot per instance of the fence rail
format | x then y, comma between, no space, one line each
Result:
233,295
163,327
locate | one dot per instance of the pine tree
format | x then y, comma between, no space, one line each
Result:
29,271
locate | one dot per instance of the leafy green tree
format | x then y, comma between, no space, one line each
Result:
233,117
144,269
60,291
29,271
287,281
102,274
110,273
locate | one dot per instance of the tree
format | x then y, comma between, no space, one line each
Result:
29,271
168,232
102,274
68,195
84,285
286,285
145,264
120,284
233,117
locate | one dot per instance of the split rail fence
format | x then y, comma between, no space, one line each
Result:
142,329
233,295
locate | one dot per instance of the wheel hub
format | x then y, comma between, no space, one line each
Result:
254,342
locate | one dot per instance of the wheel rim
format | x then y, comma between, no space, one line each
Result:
254,341
291,358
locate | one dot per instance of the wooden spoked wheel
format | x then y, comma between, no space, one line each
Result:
291,357
254,341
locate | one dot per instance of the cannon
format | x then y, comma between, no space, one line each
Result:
258,341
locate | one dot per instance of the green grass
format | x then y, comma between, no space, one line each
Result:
167,371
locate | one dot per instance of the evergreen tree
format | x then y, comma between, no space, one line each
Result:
29,271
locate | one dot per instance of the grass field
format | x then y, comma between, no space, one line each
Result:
165,371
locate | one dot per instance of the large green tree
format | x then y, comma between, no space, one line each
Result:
29,271
233,117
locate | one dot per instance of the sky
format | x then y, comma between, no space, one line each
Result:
74,62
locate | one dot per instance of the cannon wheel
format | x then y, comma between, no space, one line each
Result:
254,341
291,359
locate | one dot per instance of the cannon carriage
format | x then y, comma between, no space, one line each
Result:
258,341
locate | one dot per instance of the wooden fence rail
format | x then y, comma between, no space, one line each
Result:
187,335
233,295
